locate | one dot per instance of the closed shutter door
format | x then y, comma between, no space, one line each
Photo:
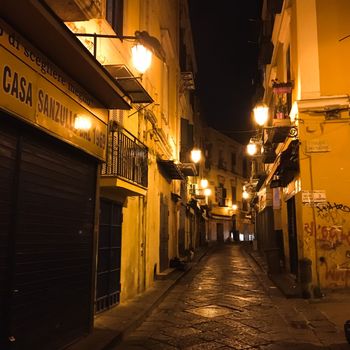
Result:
8,148
52,238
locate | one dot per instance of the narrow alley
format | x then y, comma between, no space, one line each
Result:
226,302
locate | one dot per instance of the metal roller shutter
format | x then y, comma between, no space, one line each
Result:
8,150
50,304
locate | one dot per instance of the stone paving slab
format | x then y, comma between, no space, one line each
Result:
227,302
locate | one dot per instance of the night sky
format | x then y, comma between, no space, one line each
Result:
225,38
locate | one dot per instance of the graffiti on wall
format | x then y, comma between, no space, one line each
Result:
332,234
332,212
338,275
329,236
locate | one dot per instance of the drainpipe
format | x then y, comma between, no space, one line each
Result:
317,289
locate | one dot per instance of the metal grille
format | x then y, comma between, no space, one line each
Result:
127,158
109,255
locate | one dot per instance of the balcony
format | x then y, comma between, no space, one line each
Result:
76,10
126,168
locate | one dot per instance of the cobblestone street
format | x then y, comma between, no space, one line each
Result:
226,302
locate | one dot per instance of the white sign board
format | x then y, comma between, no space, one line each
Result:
314,197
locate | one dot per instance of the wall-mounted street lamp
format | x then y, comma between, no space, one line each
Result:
196,155
141,58
261,113
145,46
279,132
202,192
207,192
252,147
204,183
245,194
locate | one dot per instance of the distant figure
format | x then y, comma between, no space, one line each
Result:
189,254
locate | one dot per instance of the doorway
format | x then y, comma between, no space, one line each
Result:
163,234
109,256
220,232
292,236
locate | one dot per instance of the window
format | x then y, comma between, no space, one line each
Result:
233,161
245,168
220,195
114,15
245,205
186,140
234,194
221,161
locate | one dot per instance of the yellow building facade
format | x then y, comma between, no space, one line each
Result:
150,215
226,169
307,89
99,165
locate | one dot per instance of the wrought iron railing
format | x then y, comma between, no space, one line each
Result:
127,158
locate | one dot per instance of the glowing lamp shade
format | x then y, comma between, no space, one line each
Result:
251,148
82,123
204,183
196,155
234,207
245,194
261,114
141,58
207,192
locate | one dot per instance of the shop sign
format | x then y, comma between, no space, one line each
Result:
35,90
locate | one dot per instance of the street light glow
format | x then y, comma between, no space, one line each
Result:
204,183
252,148
207,192
82,123
261,114
141,58
196,155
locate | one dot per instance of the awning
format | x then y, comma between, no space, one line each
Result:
289,163
278,134
188,169
129,83
261,181
175,197
221,217
40,25
171,169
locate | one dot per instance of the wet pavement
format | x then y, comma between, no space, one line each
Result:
227,302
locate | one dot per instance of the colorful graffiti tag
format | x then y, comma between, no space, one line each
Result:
329,236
